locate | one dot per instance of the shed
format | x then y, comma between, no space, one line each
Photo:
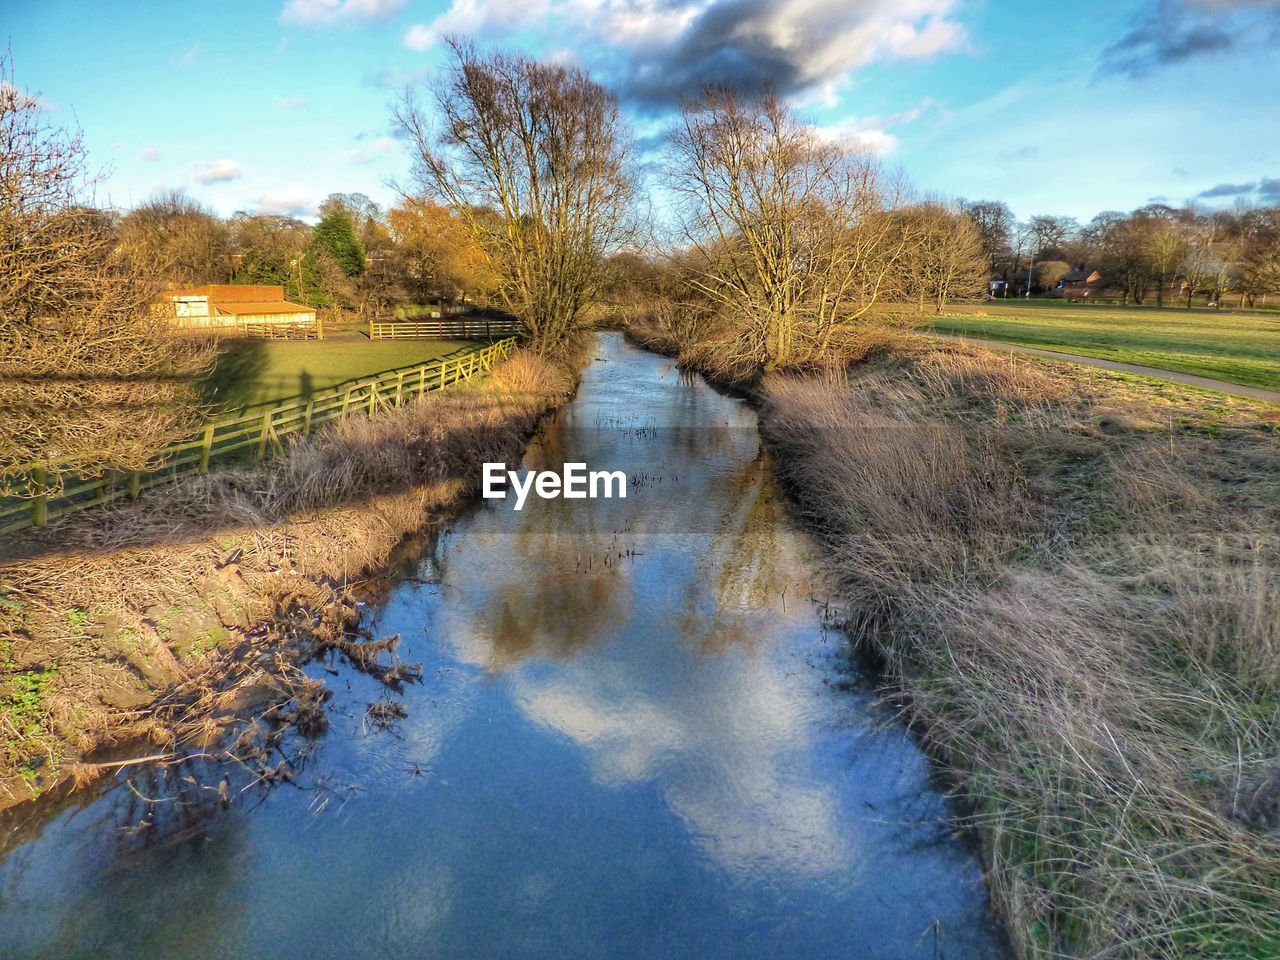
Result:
221,305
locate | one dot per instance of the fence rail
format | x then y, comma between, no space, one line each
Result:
284,331
460,327
31,502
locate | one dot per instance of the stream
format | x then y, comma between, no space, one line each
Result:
640,735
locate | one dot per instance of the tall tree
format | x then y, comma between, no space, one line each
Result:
946,255
440,254
335,236
787,230
1165,250
546,147
90,375
176,239
995,223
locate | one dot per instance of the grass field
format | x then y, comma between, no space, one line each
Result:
250,372
1240,347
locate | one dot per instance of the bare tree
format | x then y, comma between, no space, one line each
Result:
1049,235
1257,262
786,232
174,238
1050,272
1165,250
944,255
548,148
995,223
1204,261
91,376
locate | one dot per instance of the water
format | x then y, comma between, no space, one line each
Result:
636,738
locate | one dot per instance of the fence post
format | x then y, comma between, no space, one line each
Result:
262,438
443,364
422,379
319,326
306,418
346,401
39,502
206,447
399,388
135,484
371,328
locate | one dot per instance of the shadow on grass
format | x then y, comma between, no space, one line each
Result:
239,367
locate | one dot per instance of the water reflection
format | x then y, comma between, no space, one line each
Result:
627,745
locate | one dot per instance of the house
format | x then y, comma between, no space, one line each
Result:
1078,283
221,305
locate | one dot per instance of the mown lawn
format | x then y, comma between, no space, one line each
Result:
251,372
1240,347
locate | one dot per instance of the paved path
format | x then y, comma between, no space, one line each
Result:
1207,383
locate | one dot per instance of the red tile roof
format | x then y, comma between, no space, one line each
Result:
235,292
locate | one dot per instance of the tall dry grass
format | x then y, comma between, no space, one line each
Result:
1077,587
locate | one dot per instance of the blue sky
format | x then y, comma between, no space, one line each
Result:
1060,108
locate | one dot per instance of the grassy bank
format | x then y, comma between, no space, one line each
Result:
1237,346
251,371
152,623
1073,580
1075,583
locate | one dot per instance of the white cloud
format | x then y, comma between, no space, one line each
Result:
798,47
872,134
322,13
290,202
420,37
292,103
149,154
376,147
217,171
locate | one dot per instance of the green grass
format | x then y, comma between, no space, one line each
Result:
1237,346
251,372
415,311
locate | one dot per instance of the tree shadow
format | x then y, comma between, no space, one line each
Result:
239,366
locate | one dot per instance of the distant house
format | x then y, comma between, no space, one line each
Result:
997,288
1078,283
223,305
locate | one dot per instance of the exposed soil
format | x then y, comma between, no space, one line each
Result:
142,631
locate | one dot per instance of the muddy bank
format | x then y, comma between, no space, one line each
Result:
160,627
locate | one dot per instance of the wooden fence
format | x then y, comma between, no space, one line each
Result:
459,327
258,434
284,331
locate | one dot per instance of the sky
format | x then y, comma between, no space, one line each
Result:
1062,108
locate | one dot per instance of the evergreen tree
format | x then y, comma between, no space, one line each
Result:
335,235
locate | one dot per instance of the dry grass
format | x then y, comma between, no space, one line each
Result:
1076,583
707,344
135,618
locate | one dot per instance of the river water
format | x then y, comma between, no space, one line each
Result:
637,737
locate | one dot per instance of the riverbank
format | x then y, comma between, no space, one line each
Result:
1073,579
132,631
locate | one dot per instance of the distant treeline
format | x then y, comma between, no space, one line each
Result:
1149,254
